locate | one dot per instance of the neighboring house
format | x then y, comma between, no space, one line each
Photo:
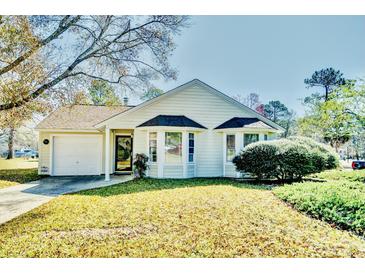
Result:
191,131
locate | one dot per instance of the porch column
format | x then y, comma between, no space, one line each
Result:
160,153
107,154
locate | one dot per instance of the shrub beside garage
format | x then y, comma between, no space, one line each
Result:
285,159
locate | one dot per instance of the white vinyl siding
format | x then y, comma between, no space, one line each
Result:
191,170
153,170
197,105
195,102
230,170
44,154
173,171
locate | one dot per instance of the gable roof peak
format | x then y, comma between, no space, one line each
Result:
210,89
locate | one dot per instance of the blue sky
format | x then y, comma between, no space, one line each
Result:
270,55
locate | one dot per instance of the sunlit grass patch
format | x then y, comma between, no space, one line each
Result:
18,163
173,218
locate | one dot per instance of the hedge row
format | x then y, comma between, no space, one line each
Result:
338,202
284,159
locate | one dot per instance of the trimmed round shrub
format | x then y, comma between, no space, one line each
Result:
285,159
332,159
259,159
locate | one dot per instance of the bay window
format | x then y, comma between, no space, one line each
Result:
173,147
153,147
230,147
191,147
250,138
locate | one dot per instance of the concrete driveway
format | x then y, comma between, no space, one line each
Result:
22,198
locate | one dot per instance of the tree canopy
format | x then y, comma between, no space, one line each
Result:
151,93
328,78
102,93
339,118
124,50
280,114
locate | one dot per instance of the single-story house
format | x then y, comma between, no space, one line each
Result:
193,130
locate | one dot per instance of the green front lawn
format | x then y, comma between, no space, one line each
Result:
340,200
173,218
17,171
18,163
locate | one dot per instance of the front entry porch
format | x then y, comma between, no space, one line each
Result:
118,152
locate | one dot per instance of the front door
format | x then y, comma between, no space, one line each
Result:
123,153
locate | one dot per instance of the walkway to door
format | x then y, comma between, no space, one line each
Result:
22,198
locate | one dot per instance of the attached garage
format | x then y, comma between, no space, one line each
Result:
77,155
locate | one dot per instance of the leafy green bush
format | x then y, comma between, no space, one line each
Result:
295,160
259,159
285,159
332,160
338,202
348,175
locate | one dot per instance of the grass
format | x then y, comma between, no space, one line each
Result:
18,163
17,171
173,218
340,200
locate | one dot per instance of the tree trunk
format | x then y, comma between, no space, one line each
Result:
326,96
11,144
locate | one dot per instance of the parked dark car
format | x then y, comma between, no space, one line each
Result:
358,164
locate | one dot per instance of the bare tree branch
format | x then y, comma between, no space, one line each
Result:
63,26
112,45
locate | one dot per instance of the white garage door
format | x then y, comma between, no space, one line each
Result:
77,155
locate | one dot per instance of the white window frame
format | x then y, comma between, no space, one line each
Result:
226,146
149,147
188,148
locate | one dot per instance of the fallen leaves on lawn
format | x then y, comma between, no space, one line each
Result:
188,218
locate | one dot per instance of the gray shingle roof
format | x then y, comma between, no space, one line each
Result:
79,116
239,122
171,121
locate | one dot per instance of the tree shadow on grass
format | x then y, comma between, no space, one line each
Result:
149,184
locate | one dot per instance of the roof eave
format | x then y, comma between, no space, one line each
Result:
247,129
173,128
66,130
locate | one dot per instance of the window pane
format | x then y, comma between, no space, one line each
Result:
231,147
265,137
250,138
173,147
191,157
153,147
191,147
191,143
